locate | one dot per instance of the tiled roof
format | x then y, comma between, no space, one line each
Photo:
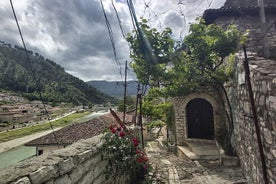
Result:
236,11
246,3
75,132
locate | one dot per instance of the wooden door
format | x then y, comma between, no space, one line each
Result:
200,119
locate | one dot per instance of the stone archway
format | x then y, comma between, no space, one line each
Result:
181,118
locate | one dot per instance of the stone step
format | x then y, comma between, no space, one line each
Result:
200,150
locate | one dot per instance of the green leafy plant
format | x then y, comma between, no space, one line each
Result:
182,68
155,124
121,150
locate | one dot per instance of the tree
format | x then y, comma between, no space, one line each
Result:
182,68
130,104
179,69
149,52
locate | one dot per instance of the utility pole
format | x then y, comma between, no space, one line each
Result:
140,117
136,105
263,29
125,85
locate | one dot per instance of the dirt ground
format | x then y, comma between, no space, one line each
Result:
168,168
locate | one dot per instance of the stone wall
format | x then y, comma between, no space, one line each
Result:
78,163
252,23
263,79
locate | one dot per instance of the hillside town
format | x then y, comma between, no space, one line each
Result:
17,112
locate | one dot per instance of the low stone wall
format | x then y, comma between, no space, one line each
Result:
78,163
263,79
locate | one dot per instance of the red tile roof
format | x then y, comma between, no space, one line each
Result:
75,132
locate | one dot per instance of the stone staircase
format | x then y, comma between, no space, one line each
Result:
206,149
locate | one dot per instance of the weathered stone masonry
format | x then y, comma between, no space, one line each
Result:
78,163
263,79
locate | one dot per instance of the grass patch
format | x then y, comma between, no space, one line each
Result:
13,134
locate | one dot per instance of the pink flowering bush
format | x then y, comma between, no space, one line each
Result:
121,150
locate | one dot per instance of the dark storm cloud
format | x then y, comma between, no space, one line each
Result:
81,28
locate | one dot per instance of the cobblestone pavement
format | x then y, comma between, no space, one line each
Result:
168,168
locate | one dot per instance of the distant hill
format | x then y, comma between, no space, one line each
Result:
55,84
115,88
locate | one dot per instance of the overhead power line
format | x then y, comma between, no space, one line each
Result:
110,33
118,18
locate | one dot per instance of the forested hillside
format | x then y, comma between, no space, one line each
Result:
54,83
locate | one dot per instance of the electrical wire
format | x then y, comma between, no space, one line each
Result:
110,33
209,3
140,36
118,18
37,81
147,6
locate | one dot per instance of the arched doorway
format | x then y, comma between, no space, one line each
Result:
200,119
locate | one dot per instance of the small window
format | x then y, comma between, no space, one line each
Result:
39,152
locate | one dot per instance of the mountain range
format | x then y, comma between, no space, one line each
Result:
39,78
115,88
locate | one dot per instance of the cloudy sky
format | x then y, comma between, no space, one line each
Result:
73,33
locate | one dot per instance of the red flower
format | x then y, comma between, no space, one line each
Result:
135,141
122,134
111,127
146,159
114,130
140,159
138,151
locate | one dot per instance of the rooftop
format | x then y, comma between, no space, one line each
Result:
246,3
75,132
237,8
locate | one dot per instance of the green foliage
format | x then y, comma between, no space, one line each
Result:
149,50
156,108
155,124
54,84
229,66
182,69
130,104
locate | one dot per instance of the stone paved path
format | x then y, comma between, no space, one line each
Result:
167,168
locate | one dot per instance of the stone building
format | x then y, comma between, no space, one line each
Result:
212,114
245,14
